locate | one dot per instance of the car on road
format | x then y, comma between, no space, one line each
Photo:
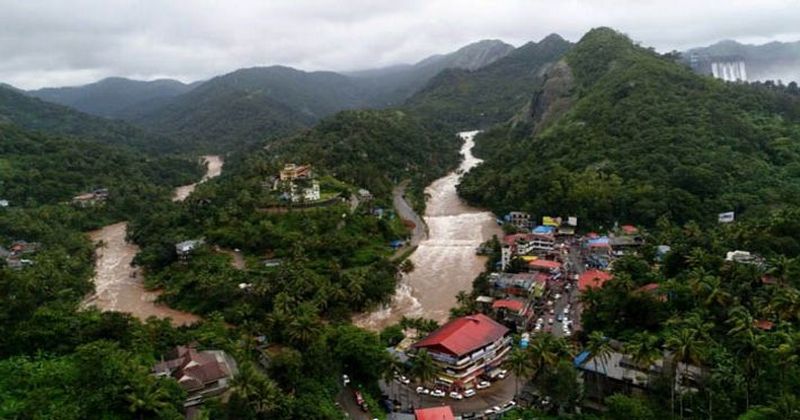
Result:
550,321
484,385
422,390
438,393
469,393
552,311
502,374
509,405
360,401
403,380
558,296
345,380
560,318
566,310
456,395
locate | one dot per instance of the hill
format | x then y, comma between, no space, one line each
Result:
35,114
37,169
772,61
392,85
114,97
465,99
644,137
251,105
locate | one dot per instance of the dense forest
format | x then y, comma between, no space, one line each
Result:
645,138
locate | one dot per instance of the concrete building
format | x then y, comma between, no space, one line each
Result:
466,348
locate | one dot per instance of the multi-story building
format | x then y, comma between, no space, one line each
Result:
465,348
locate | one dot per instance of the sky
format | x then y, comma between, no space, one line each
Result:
73,42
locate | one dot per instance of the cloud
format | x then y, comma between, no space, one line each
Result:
56,42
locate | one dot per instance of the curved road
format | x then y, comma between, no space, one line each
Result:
405,212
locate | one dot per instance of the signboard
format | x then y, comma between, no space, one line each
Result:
572,221
551,221
726,217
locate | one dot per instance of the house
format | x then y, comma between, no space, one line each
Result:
622,244
567,227
593,278
183,249
201,374
513,311
466,348
89,199
518,219
744,257
434,413
545,266
292,172
619,373
519,284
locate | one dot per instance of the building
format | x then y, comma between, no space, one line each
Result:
744,257
183,249
89,199
545,266
434,413
466,348
593,278
201,374
519,284
619,373
518,219
513,311
292,172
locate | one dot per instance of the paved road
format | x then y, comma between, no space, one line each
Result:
498,394
406,212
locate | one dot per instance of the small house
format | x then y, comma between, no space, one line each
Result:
183,249
201,374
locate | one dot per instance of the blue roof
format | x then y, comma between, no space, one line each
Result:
581,359
544,229
600,240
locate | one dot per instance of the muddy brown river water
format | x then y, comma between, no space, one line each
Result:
445,262
118,285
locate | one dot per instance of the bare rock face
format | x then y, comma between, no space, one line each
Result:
551,101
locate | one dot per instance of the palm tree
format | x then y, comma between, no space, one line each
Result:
303,329
258,392
599,347
519,363
423,367
686,347
750,344
147,397
644,350
786,304
545,351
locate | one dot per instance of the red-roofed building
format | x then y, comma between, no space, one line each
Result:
763,324
434,413
593,278
514,311
510,304
199,373
629,229
465,348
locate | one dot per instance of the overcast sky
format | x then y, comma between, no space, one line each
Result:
70,42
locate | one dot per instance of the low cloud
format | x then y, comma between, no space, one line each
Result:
54,43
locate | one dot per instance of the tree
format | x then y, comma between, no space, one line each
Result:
423,368
600,349
643,349
621,406
686,348
519,363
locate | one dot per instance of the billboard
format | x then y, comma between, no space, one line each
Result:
726,217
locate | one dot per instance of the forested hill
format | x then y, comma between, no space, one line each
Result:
465,99
372,149
645,138
114,97
35,114
37,169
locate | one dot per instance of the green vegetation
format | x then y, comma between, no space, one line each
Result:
645,137
36,115
458,100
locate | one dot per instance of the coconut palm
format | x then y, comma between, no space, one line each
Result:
599,347
750,345
643,349
147,398
423,368
786,304
519,363
303,329
686,347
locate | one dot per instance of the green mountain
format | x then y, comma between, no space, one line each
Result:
35,114
114,97
772,61
466,99
392,85
628,135
37,168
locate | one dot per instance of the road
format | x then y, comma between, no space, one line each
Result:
498,394
573,264
406,212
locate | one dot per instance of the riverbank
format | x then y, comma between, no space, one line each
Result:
118,285
445,261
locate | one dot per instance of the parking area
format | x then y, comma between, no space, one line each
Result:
406,397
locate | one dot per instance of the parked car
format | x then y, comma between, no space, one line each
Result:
423,390
560,317
484,385
469,393
345,380
550,321
558,296
509,405
360,401
491,410
502,374
552,311
456,395
438,393
404,380
566,310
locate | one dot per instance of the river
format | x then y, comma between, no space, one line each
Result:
445,262
118,285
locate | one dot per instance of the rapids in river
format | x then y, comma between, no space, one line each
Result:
445,263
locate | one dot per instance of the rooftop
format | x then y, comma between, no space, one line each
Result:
434,413
593,278
510,304
463,335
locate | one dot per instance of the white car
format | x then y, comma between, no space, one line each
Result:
549,303
552,311
483,385
502,374
558,296
456,396
550,321
491,410
423,390
404,380
509,405
469,393
566,310
537,328
345,380
438,393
